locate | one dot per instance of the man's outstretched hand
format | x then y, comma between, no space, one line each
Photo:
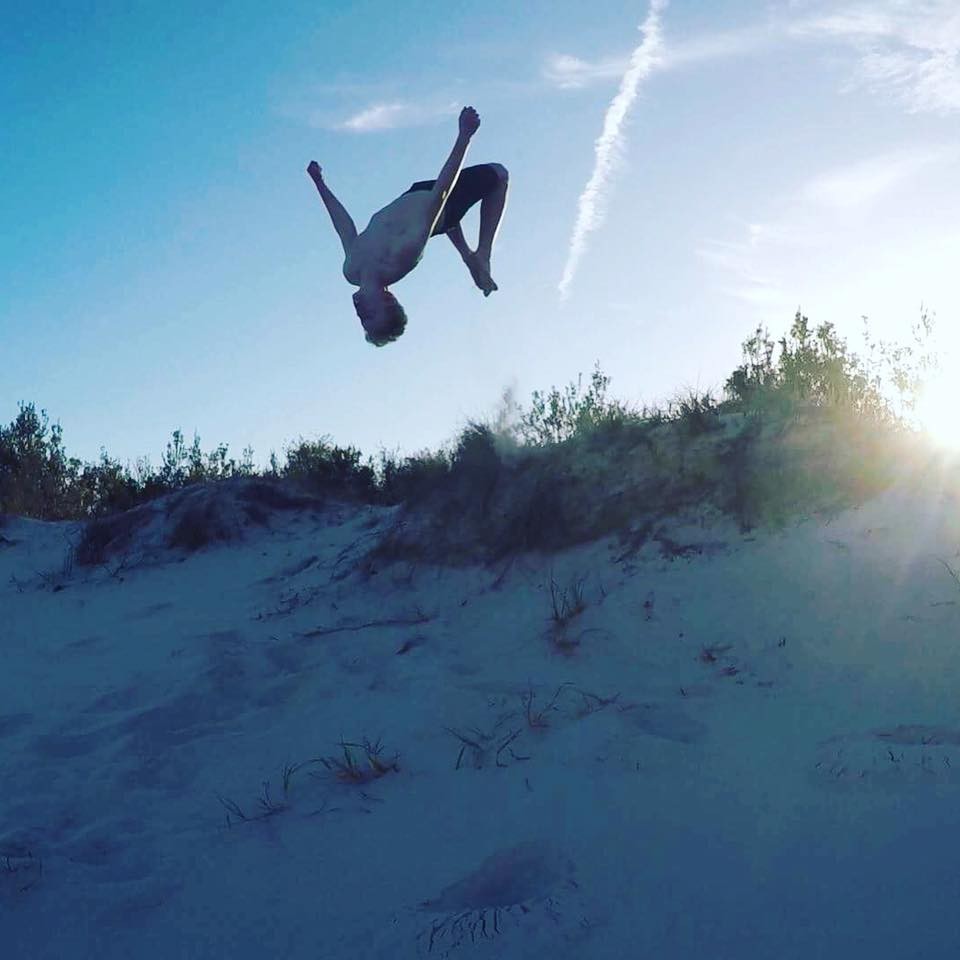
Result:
316,174
469,121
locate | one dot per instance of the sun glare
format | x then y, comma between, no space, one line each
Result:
937,411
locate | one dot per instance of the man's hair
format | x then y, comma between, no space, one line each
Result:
395,322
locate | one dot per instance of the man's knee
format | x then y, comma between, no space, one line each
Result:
501,171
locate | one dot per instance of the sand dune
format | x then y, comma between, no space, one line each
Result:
264,746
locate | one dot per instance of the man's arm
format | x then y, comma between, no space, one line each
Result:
342,222
469,124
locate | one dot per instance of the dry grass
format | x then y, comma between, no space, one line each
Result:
360,763
105,537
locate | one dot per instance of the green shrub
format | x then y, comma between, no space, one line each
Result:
557,416
36,477
110,487
411,478
697,413
38,480
905,367
327,468
807,367
476,452
183,465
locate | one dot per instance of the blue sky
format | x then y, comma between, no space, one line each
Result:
166,263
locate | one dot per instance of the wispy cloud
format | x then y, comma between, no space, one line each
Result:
910,50
394,114
569,72
737,262
723,45
907,49
838,209
866,181
590,210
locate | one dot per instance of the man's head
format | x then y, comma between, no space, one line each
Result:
380,313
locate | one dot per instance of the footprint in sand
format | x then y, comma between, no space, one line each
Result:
665,723
101,855
11,723
20,870
891,756
118,700
65,746
522,901
126,880
527,891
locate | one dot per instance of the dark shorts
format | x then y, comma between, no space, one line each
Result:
473,184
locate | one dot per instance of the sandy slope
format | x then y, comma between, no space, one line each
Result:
757,755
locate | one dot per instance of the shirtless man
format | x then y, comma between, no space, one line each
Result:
394,240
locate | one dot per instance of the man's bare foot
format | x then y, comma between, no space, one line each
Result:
480,271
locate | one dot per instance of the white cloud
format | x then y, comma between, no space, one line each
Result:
861,183
393,114
592,201
909,49
721,46
570,72
737,262
827,224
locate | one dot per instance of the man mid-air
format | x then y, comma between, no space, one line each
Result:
394,240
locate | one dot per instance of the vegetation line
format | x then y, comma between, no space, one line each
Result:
808,370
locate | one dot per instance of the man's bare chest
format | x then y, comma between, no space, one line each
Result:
394,240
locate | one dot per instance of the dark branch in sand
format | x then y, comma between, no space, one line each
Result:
389,622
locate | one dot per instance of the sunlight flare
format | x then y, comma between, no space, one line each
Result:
937,412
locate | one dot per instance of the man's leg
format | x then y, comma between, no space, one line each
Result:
481,275
492,204
491,213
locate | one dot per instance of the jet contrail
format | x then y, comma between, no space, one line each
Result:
590,209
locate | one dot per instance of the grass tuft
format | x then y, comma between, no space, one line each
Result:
360,763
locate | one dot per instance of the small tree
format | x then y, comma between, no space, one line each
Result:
557,416
36,477
812,366
330,468
906,367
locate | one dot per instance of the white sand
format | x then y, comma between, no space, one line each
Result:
778,775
